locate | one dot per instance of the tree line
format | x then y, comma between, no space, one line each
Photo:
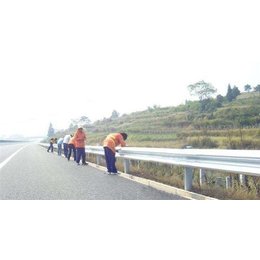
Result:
204,91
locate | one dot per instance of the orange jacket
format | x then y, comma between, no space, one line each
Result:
80,138
72,141
113,140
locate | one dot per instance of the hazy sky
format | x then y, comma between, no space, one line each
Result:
61,60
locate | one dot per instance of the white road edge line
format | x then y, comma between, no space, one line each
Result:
2,164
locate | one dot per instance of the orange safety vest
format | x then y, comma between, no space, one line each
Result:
78,138
72,141
113,140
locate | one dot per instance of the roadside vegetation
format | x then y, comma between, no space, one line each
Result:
223,122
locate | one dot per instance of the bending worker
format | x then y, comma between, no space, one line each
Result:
72,147
110,144
52,141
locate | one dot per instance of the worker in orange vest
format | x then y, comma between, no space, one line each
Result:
109,145
72,147
80,139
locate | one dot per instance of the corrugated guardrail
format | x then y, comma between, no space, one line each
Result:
236,161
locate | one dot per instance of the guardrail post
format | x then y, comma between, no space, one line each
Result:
127,165
243,179
98,159
218,181
228,182
188,179
202,176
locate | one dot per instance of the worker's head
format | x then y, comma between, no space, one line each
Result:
124,135
80,128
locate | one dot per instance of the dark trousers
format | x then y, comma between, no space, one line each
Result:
65,148
59,149
50,147
81,154
110,157
72,148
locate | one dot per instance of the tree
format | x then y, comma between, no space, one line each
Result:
232,93
115,114
247,88
84,120
50,131
220,98
71,126
154,107
81,121
235,92
229,95
257,88
202,89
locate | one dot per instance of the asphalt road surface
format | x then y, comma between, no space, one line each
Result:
28,172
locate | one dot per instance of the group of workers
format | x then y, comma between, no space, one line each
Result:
77,142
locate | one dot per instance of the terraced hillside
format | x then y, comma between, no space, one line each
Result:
219,125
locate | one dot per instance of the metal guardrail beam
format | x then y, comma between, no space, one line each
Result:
235,161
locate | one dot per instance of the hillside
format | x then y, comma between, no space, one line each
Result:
214,124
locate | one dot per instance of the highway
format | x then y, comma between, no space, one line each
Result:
28,172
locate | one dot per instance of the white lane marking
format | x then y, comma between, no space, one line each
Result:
2,164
